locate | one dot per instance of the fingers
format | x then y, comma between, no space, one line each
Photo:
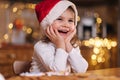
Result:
49,31
57,33
70,35
52,32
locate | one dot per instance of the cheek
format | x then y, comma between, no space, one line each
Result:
72,28
54,26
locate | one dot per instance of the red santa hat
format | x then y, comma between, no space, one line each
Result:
49,10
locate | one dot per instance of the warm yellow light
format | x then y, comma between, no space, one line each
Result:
15,9
100,47
96,50
86,43
29,5
99,20
33,6
99,59
10,26
78,18
94,62
113,43
6,5
109,46
29,30
93,57
106,42
98,42
5,36
92,41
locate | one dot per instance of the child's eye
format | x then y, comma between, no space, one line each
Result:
71,20
58,19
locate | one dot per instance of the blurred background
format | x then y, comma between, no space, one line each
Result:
98,29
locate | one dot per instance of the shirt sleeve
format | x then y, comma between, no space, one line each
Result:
77,62
52,59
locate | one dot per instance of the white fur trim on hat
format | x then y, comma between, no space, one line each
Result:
56,11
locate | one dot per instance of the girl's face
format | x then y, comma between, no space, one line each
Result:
65,23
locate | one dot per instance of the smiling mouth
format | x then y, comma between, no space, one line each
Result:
62,31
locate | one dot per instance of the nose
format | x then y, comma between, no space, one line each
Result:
65,24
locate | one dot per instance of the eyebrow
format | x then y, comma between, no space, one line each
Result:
70,18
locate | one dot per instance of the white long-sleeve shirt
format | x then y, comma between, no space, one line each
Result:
47,58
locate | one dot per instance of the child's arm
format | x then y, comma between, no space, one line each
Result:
77,62
52,59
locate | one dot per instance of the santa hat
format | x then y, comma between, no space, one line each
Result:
49,10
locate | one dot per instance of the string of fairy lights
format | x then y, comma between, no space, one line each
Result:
100,46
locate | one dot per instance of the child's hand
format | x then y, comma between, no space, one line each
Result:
70,35
68,45
55,37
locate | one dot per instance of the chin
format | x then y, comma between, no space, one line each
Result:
64,37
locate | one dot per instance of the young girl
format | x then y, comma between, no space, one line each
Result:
58,49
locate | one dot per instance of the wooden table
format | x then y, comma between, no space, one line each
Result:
106,72
103,74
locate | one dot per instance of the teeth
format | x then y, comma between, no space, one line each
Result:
62,31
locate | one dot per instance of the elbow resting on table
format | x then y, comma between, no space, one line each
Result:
81,68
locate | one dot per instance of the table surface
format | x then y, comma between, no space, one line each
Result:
106,72
102,74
